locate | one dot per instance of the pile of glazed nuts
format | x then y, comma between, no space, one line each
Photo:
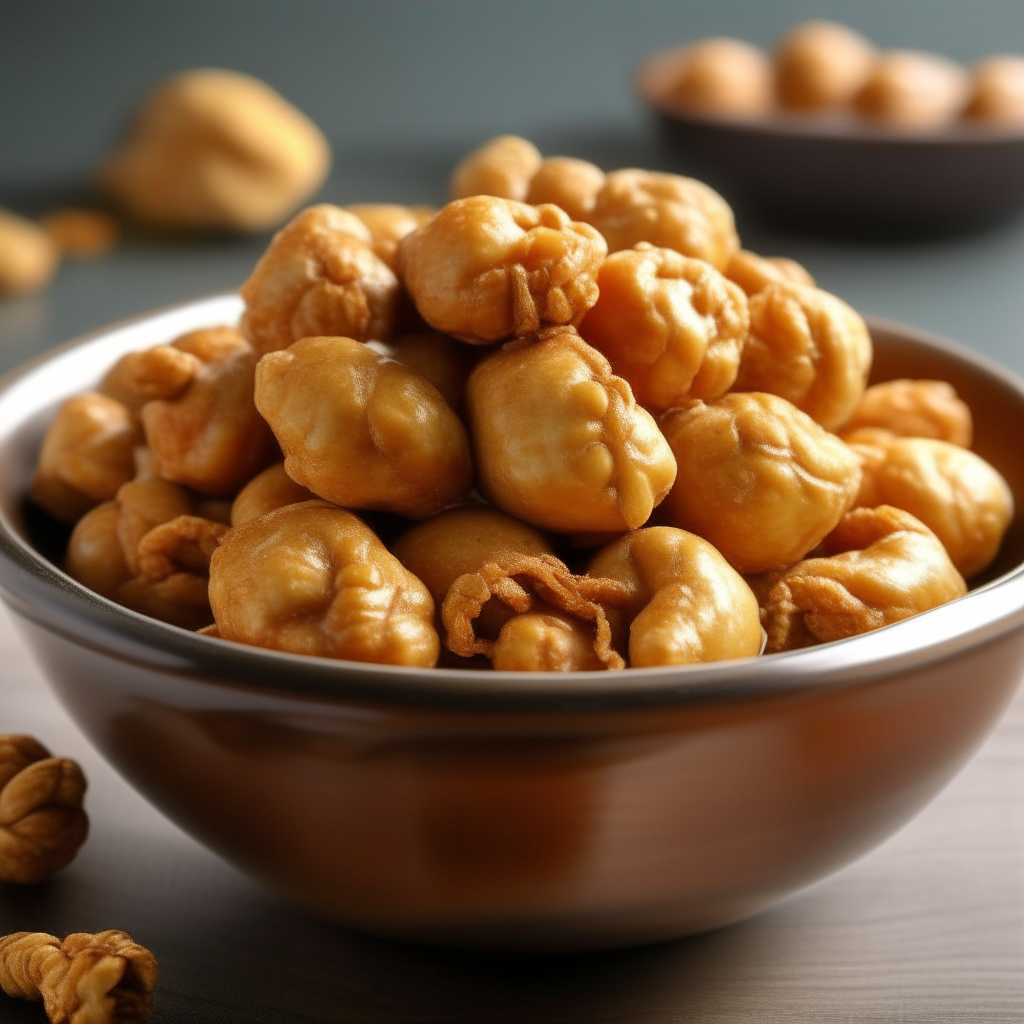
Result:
824,67
564,422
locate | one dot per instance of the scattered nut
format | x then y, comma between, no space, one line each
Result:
28,256
80,233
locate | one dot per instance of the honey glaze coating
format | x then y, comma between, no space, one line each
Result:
568,183
954,492
757,478
486,269
313,579
319,276
686,603
361,430
820,65
501,167
808,347
559,440
881,565
754,273
273,488
672,326
722,77
914,408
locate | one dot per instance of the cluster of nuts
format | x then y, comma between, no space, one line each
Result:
821,66
565,422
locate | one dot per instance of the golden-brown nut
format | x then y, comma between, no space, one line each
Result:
914,408
362,430
568,183
80,233
881,565
445,362
87,454
560,442
721,77
314,579
502,167
106,978
486,269
162,371
216,149
808,347
319,276
955,493
997,94
666,210
686,603
273,488
757,477
210,437
821,64
42,823
545,641
914,91
672,326
388,224
754,273
28,257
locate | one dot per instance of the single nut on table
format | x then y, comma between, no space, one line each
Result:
820,65
273,488
808,347
997,91
486,269
216,149
568,183
42,824
881,565
28,256
502,167
754,273
721,77
363,431
313,579
914,408
388,224
81,233
559,440
757,478
686,603
106,978
954,492
445,362
914,91
86,455
672,326
319,276
666,210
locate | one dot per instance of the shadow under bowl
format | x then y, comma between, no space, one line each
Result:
533,811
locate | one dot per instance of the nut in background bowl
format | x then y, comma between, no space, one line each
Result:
528,811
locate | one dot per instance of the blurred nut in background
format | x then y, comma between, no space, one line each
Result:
998,91
502,167
80,233
908,89
724,77
216,149
28,256
820,64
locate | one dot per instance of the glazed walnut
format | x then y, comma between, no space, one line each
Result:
273,488
880,565
686,603
502,167
313,579
914,408
106,978
997,91
820,65
445,362
362,430
672,326
42,824
486,269
913,91
754,273
87,454
568,183
560,441
319,276
808,347
216,149
28,256
954,492
388,224
721,77
757,478
666,210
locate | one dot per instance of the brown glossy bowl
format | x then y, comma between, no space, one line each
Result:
837,172
508,810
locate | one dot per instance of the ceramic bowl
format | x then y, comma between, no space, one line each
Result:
512,810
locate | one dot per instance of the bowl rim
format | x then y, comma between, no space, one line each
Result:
40,591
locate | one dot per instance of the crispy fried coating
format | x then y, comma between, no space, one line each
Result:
672,326
754,273
808,347
363,431
273,488
880,565
820,65
559,440
313,579
997,91
388,224
319,276
568,183
914,408
686,603
757,478
913,91
502,167
445,362
486,269
721,77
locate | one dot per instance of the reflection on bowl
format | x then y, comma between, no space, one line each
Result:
836,172
523,810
